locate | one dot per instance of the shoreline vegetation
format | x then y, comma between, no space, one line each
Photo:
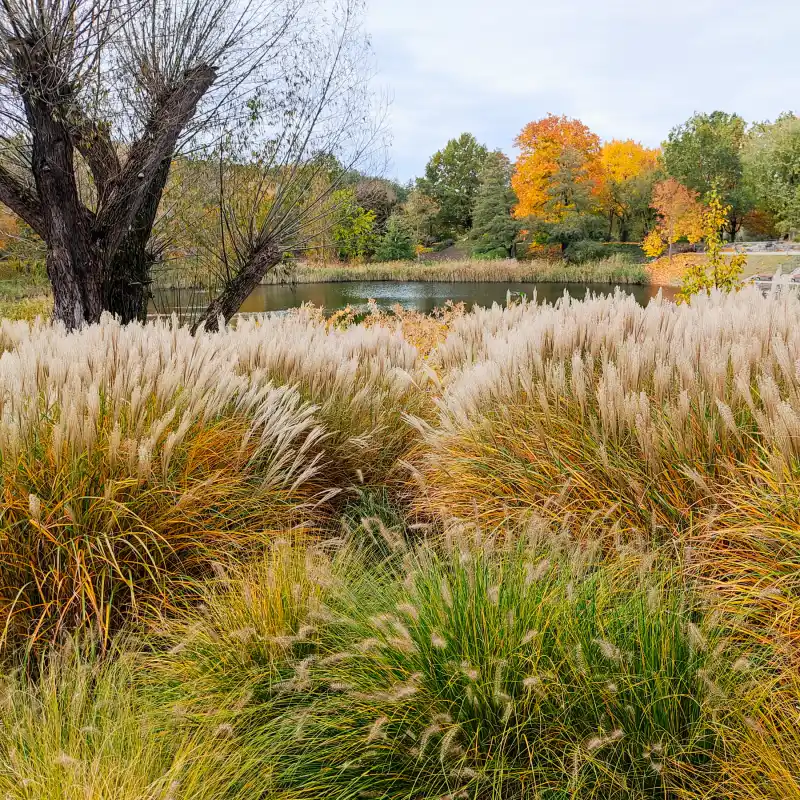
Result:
535,549
609,270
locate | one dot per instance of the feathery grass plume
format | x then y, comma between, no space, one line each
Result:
364,382
373,521
133,458
653,412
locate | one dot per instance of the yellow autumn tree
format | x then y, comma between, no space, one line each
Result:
714,272
628,174
546,146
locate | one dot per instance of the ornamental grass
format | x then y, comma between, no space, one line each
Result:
523,552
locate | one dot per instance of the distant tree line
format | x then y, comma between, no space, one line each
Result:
572,195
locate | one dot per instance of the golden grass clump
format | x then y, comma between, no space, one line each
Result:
660,422
614,269
604,407
363,380
131,458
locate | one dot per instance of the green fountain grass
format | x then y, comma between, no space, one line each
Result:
79,730
473,670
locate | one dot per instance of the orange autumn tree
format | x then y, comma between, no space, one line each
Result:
548,148
628,174
680,216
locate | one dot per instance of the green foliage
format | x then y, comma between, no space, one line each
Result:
573,226
586,251
492,671
27,308
421,216
396,244
716,272
705,153
570,189
583,251
772,170
354,229
79,730
451,179
570,214
495,229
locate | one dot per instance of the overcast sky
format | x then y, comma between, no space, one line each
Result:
627,68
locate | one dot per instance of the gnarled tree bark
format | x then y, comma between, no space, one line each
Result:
96,261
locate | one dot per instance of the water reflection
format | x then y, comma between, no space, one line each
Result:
413,295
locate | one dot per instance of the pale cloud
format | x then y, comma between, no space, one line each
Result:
628,69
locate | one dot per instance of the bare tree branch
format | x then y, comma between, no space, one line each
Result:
148,154
117,88
21,200
320,127
94,144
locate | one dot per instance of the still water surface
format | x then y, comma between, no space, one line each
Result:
419,296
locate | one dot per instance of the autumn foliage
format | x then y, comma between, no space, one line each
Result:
544,146
716,271
680,216
625,160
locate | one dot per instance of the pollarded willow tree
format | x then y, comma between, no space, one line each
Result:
98,97
280,175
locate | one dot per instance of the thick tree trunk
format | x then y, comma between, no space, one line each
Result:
126,286
77,299
98,260
73,261
239,288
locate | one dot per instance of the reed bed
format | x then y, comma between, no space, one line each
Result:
523,552
610,270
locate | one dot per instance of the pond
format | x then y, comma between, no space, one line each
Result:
419,296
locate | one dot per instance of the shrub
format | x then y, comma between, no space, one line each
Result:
585,250
396,244
27,308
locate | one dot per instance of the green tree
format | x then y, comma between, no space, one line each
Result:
772,170
421,215
705,153
494,228
451,179
571,212
354,229
396,243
